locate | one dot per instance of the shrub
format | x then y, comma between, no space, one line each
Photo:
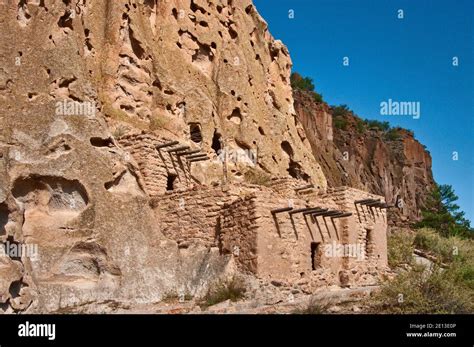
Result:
340,110
306,84
172,297
360,126
340,123
392,135
122,116
464,272
428,240
435,290
301,83
317,97
119,131
400,248
232,290
315,306
258,177
157,123
420,291
447,249
373,123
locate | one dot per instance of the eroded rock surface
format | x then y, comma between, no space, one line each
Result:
399,170
76,76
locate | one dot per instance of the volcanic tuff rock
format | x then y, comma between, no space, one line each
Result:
398,169
173,68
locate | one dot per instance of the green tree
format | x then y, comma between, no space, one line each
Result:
392,134
373,123
340,110
360,126
442,213
300,82
305,84
340,122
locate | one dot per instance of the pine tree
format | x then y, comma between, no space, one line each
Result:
442,213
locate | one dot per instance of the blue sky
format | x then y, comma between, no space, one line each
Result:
407,59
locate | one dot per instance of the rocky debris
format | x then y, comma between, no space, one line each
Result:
332,300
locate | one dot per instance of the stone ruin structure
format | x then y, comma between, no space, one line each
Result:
283,230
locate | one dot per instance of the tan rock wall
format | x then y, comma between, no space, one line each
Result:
168,65
398,169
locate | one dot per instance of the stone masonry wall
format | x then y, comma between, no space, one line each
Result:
155,166
239,232
192,216
368,220
280,245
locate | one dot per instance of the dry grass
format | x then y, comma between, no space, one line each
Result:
232,290
315,306
439,290
258,177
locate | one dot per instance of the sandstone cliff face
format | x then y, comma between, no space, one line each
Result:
398,169
184,67
77,76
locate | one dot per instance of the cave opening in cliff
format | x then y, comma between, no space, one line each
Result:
3,218
101,142
314,255
286,147
170,181
216,142
195,132
14,289
295,171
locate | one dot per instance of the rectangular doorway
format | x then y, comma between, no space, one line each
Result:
315,256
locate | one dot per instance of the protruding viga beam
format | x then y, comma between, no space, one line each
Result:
342,215
167,144
372,204
199,159
382,206
315,215
317,209
194,156
177,149
366,201
280,210
363,201
319,213
301,210
331,213
304,187
188,152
